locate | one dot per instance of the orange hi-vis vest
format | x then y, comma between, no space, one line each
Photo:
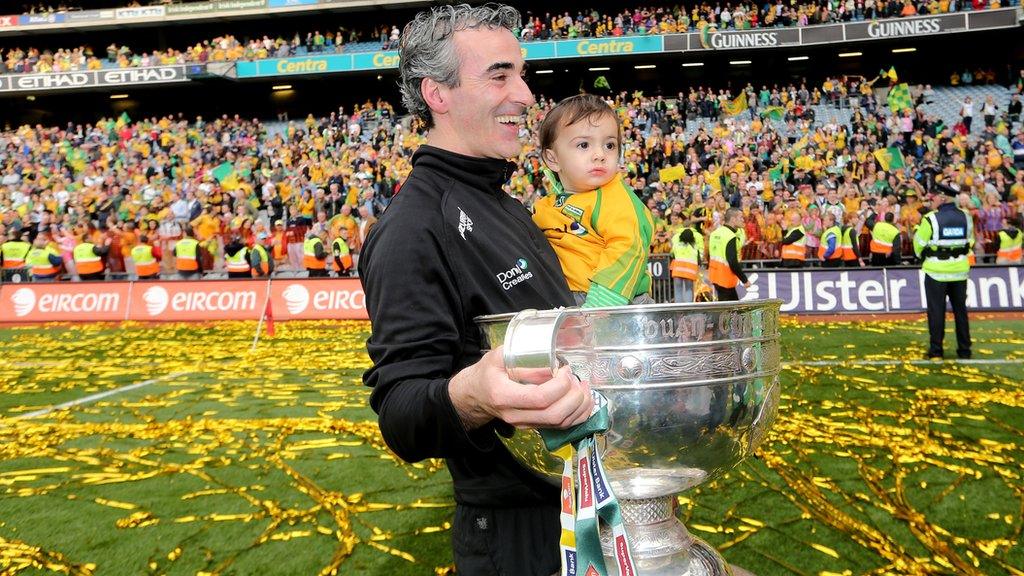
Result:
281,247
39,261
797,250
239,262
882,236
718,269
1010,247
86,260
264,268
145,263
823,247
684,260
309,259
186,254
341,247
15,253
849,254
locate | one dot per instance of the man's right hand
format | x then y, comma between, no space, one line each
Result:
483,392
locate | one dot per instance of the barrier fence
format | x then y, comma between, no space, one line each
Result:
188,301
806,291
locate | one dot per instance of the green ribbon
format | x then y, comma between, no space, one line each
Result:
594,498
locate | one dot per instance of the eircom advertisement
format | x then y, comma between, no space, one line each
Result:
184,301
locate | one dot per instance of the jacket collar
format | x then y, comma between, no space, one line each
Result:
486,174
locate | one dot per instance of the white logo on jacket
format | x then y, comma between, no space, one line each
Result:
465,224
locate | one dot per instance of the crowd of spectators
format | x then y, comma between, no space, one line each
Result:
233,179
550,26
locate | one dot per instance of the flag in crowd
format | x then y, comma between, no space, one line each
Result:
775,113
890,158
737,105
899,98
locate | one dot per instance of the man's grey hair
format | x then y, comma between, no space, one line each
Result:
427,48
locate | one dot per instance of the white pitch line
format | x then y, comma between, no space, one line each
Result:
98,396
920,362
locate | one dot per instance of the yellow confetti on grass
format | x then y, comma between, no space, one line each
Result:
825,550
115,504
886,450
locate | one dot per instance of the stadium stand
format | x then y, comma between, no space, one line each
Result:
231,179
630,22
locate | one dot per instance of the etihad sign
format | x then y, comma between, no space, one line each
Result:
87,78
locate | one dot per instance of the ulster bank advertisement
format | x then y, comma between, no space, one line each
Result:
990,288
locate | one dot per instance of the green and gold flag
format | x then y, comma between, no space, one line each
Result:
899,98
736,105
890,158
602,82
773,113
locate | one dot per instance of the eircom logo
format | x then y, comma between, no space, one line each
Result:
156,299
302,299
296,299
24,300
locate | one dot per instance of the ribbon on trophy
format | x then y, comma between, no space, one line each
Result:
587,498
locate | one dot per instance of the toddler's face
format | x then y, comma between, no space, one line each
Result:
586,154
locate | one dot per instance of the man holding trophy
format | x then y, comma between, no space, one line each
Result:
452,246
463,290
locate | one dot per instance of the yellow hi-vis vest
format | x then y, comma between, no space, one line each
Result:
684,259
1009,247
86,261
340,246
186,253
39,261
239,262
309,259
882,236
797,250
145,263
14,253
718,268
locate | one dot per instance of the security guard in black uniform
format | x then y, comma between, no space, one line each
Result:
943,242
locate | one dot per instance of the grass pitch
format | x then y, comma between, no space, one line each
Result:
231,462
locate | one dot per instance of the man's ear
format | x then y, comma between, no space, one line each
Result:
435,95
550,159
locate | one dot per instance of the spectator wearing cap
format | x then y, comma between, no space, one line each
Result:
260,262
279,244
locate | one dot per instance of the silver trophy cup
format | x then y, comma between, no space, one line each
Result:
692,390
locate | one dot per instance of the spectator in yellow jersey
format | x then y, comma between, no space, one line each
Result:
597,226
